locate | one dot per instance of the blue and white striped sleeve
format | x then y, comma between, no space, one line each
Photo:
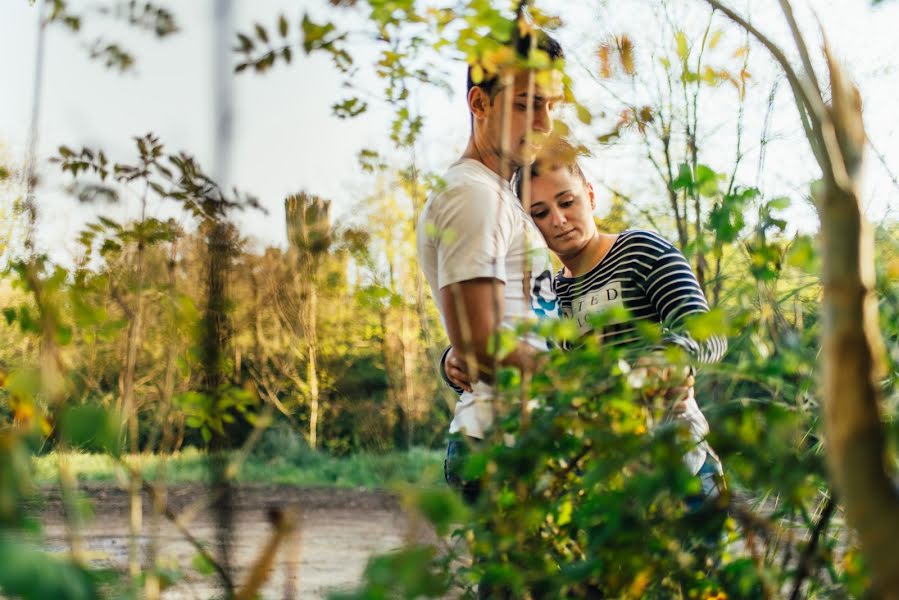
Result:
672,288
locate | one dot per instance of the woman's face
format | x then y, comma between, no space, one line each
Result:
562,208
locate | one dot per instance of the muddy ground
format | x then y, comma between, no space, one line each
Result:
340,529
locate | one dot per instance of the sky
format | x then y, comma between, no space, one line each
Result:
286,139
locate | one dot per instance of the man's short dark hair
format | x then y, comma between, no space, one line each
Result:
556,154
522,45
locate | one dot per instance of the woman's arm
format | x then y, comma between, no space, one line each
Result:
673,290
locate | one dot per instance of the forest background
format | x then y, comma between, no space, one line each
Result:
325,340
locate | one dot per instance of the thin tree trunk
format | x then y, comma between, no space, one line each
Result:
310,327
852,346
851,343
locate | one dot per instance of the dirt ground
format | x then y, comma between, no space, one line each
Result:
340,529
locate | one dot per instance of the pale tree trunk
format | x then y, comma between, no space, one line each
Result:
309,232
852,347
853,351
311,326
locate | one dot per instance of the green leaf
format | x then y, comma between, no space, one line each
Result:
246,44
27,323
202,565
282,26
63,335
583,114
684,177
91,427
803,254
351,107
706,325
261,33
779,203
314,34
706,181
32,574
441,507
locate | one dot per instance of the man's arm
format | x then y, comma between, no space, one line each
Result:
472,311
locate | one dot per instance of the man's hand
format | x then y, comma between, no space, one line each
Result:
458,368
457,371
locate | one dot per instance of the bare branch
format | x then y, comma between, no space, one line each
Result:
810,106
800,43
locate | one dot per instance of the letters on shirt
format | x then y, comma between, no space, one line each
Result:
604,298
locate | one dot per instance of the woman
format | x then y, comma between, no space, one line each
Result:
635,269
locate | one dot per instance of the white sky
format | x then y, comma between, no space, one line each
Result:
286,139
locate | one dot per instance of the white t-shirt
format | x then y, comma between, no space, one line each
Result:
475,227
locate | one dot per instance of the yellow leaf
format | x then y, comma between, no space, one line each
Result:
638,585
524,28
605,63
893,269
626,52
477,74
716,37
565,513
493,60
742,50
682,50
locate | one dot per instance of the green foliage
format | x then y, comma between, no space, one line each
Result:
585,492
90,428
31,574
407,573
268,464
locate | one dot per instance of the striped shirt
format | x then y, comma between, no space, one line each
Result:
644,273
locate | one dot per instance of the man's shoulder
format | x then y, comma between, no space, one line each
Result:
469,189
469,178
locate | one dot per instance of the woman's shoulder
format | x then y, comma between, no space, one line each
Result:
644,239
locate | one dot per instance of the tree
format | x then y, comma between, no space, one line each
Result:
852,347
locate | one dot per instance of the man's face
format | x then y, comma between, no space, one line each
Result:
546,98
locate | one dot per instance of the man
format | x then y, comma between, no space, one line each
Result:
486,264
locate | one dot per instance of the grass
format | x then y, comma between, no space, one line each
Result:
303,468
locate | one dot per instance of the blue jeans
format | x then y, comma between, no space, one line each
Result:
456,450
711,486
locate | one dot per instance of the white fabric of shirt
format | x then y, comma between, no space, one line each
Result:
475,227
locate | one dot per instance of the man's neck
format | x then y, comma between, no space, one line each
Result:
488,159
590,255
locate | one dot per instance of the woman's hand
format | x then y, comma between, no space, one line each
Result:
660,379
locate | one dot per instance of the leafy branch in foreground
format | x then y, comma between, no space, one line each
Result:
146,16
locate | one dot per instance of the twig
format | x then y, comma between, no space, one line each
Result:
169,514
803,570
285,522
810,106
800,43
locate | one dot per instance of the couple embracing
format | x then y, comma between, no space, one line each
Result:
486,258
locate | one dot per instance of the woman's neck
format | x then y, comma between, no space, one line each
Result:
589,256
